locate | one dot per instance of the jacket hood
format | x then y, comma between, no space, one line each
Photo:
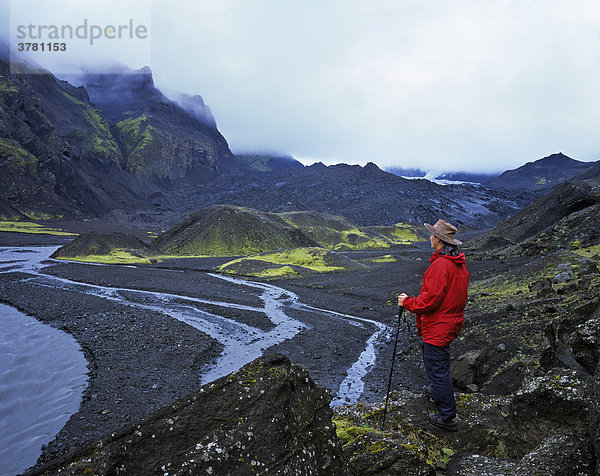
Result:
460,259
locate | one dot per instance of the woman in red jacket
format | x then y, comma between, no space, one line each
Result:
440,314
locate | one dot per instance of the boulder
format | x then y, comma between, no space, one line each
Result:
559,455
542,287
555,403
467,367
585,344
568,267
573,340
563,277
480,465
565,455
587,266
268,416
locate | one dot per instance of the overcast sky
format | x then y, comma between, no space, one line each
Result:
479,85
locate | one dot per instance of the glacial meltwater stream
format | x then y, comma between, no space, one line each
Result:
28,379
42,379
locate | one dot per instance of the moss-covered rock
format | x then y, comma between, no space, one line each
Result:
267,418
16,160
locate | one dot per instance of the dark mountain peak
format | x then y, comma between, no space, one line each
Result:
559,160
542,174
121,91
269,162
370,166
194,105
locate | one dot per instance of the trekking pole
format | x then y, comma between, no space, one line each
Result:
400,311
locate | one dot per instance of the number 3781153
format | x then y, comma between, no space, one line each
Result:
42,47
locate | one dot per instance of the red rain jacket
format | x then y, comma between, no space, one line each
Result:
440,306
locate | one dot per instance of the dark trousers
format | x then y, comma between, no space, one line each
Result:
437,365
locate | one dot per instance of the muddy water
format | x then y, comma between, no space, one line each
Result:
42,380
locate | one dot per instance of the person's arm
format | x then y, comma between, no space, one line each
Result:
435,283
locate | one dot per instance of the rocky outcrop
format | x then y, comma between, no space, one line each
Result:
595,417
556,403
267,418
557,456
573,340
542,429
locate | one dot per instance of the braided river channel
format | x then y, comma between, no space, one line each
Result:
43,372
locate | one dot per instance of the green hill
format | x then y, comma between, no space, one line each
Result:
226,230
340,234
116,248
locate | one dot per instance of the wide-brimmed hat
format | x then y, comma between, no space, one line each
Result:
444,231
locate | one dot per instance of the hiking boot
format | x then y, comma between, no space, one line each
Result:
448,425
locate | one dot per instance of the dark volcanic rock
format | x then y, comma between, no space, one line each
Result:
595,417
467,367
65,153
574,340
366,195
556,403
543,214
480,465
57,153
268,416
559,455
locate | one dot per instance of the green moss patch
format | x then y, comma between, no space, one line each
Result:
338,233
592,252
101,142
141,142
30,227
116,256
354,421
15,159
347,430
7,86
384,259
289,263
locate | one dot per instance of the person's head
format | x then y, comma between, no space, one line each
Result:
436,243
442,234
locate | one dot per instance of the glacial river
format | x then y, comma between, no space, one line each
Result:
241,342
42,379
